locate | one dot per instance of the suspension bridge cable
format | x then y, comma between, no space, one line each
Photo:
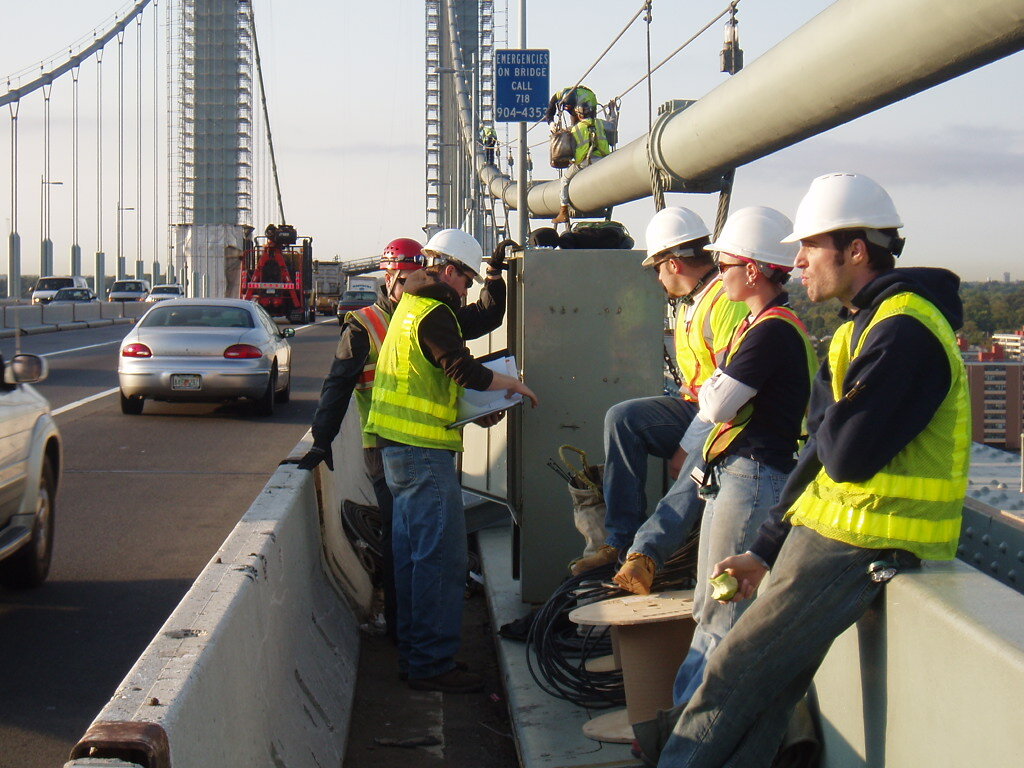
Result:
664,61
138,144
14,94
266,113
120,155
99,161
156,140
74,163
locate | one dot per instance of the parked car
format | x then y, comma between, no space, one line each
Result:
30,464
73,295
354,300
46,287
205,350
128,290
164,292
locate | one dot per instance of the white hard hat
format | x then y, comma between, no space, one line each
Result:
755,233
843,201
458,247
670,227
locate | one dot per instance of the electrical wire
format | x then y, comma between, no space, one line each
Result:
556,652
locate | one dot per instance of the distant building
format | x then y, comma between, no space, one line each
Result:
1010,342
1006,277
996,386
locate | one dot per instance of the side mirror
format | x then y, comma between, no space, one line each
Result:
287,332
25,369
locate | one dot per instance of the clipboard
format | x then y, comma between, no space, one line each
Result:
473,404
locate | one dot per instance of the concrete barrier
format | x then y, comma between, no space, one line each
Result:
57,314
111,309
134,309
932,675
28,318
257,664
87,312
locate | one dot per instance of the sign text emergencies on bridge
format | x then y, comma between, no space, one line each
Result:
522,85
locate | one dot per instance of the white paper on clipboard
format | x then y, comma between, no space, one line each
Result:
473,404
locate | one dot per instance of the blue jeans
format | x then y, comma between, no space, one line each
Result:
428,540
666,530
764,666
747,490
633,430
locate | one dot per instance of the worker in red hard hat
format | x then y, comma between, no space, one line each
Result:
355,360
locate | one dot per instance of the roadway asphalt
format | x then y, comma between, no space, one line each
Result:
143,504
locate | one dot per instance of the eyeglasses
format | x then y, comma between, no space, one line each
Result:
464,276
724,265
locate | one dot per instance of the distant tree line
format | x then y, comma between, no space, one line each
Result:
989,308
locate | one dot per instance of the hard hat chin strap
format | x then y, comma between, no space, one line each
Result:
690,297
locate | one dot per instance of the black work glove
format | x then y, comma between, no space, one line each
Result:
315,455
497,261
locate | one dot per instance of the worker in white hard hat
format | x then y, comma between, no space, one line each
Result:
422,368
879,485
655,426
756,401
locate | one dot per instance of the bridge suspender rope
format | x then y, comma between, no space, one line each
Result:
266,113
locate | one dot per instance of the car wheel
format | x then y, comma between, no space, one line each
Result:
285,394
265,405
132,405
29,566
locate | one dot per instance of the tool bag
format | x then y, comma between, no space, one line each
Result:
563,148
586,490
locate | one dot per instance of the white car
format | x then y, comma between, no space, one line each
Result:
30,465
164,292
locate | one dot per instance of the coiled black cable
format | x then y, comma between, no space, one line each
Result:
556,651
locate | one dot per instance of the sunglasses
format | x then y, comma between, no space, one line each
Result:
724,265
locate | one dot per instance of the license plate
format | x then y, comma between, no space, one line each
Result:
186,381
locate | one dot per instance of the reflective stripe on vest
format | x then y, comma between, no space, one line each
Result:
413,399
723,434
374,321
916,501
704,334
590,140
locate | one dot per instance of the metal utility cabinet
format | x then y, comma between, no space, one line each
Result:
586,327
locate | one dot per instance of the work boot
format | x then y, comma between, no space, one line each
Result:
605,555
562,217
453,681
636,574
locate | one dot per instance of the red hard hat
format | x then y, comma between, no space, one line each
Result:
403,253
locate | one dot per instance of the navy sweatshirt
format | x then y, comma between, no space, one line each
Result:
902,375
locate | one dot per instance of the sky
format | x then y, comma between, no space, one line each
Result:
345,82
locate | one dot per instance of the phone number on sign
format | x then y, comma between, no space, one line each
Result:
522,113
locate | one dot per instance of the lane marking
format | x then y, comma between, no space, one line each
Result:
83,401
79,349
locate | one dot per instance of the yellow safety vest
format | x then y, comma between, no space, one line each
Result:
724,434
916,501
375,321
413,400
705,335
590,140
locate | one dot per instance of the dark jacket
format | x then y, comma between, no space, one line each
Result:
477,319
901,377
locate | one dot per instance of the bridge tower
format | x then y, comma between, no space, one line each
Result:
210,137
453,193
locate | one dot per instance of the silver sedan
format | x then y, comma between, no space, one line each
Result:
205,350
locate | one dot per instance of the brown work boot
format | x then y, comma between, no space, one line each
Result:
605,555
453,681
562,217
636,574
